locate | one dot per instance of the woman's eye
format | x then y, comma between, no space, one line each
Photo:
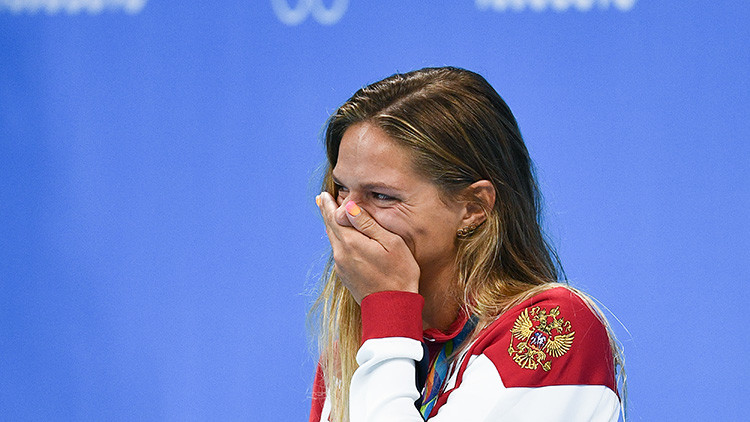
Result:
341,189
341,194
382,197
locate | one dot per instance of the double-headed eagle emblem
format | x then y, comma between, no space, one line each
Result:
539,335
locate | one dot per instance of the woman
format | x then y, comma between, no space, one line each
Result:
441,302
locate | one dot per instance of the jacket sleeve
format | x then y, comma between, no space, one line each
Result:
383,387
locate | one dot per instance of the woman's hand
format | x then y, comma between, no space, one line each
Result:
368,258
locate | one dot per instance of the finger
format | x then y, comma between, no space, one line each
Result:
327,207
364,223
340,216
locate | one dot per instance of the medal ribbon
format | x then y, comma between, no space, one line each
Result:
439,369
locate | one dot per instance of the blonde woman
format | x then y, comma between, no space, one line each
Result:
442,300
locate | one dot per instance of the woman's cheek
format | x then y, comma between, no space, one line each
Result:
394,223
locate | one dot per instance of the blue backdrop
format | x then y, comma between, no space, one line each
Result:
158,163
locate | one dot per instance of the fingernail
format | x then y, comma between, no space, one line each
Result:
353,209
317,200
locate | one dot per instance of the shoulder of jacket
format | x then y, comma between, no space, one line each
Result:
552,338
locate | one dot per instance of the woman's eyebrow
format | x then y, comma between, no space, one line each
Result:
369,185
379,186
336,180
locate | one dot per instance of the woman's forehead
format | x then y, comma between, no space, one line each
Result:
369,157
365,139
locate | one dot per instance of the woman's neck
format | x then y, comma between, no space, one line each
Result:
440,302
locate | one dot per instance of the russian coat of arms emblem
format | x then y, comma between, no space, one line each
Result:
538,336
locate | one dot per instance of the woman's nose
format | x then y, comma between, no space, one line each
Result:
353,196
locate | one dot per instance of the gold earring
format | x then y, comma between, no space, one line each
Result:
466,231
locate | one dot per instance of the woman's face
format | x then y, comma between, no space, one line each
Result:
379,175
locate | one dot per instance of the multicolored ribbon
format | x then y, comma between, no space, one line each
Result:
439,368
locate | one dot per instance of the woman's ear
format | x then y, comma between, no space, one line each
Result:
480,199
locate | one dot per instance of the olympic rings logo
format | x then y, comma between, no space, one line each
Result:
324,15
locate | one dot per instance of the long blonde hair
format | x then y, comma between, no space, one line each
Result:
459,131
